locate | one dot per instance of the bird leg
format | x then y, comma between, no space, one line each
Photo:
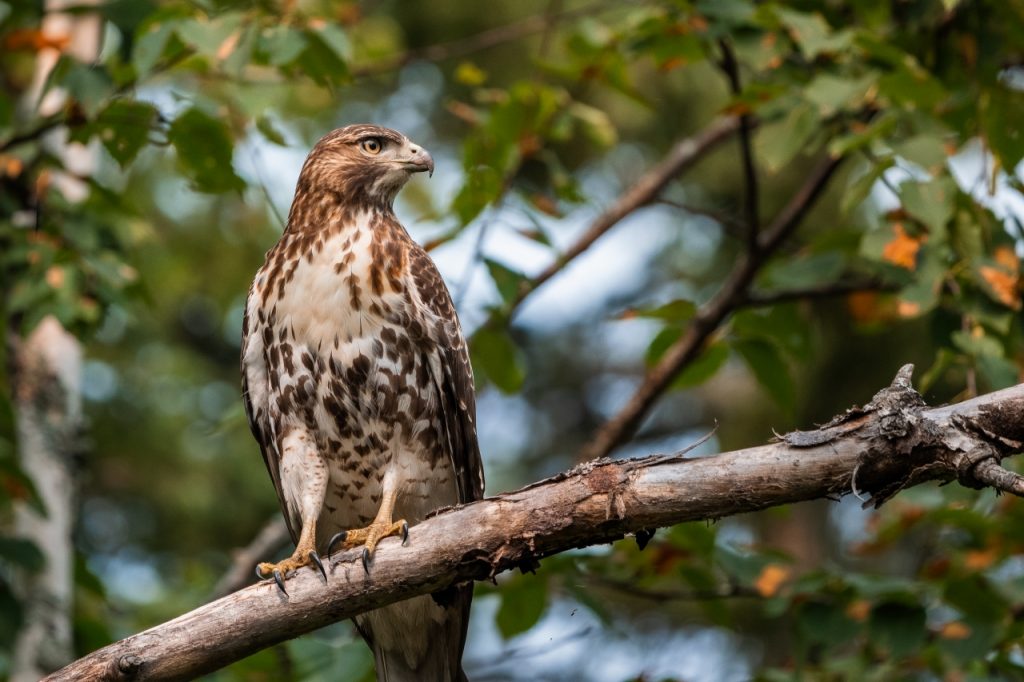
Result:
381,528
304,555
302,470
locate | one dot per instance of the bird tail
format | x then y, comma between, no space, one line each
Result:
421,639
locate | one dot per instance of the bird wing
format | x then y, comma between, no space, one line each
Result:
255,388
452,374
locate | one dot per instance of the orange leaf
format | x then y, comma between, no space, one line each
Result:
771,579
55,276
978,559
859,610
35,40
1003,284
955,630
903,248
908,308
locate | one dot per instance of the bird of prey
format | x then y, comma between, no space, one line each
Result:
358,386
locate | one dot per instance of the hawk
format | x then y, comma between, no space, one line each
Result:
358,386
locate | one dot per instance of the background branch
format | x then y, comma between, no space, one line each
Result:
891,443
680,157
708,318
272,537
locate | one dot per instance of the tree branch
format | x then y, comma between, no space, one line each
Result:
889,444
708,318
683,154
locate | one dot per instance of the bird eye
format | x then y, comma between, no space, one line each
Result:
371,146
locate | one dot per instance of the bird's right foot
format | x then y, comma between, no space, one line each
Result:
282,569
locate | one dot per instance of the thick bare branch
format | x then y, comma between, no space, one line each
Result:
681,156
891,443
708,318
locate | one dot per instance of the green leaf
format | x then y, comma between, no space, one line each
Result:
703,367
596,124
325,57
123,127
832,93
897,627
523,599
21,552
778,142
282,44
770,369
678,312
90,86
204,148
825,623
151,46
266,126
812,33
806,271
860,188
912,87
927,151
1001,109
930,202
497,358
508,281
11,616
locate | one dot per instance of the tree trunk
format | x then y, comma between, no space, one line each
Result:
47,375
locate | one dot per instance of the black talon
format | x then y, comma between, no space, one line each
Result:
315,558
279,579
259,575
405,533
338,537
366,560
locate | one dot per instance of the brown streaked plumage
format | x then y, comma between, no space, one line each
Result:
358,386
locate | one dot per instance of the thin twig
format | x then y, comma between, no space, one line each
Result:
709,317
751,200
992,474
730,225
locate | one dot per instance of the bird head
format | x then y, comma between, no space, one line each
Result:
364,163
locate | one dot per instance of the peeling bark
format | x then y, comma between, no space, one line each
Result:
891,443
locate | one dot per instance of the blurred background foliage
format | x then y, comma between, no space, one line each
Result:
539,114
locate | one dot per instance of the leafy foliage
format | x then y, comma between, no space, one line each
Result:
912,253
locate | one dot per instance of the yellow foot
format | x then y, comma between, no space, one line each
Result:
283,569
369,537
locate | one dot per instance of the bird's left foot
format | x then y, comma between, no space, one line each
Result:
369,537
282,569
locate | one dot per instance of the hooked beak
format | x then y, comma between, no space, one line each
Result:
419,160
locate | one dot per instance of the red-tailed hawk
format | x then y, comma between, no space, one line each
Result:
358,386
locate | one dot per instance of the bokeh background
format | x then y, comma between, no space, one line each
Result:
539,114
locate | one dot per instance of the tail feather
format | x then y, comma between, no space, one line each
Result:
421,639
